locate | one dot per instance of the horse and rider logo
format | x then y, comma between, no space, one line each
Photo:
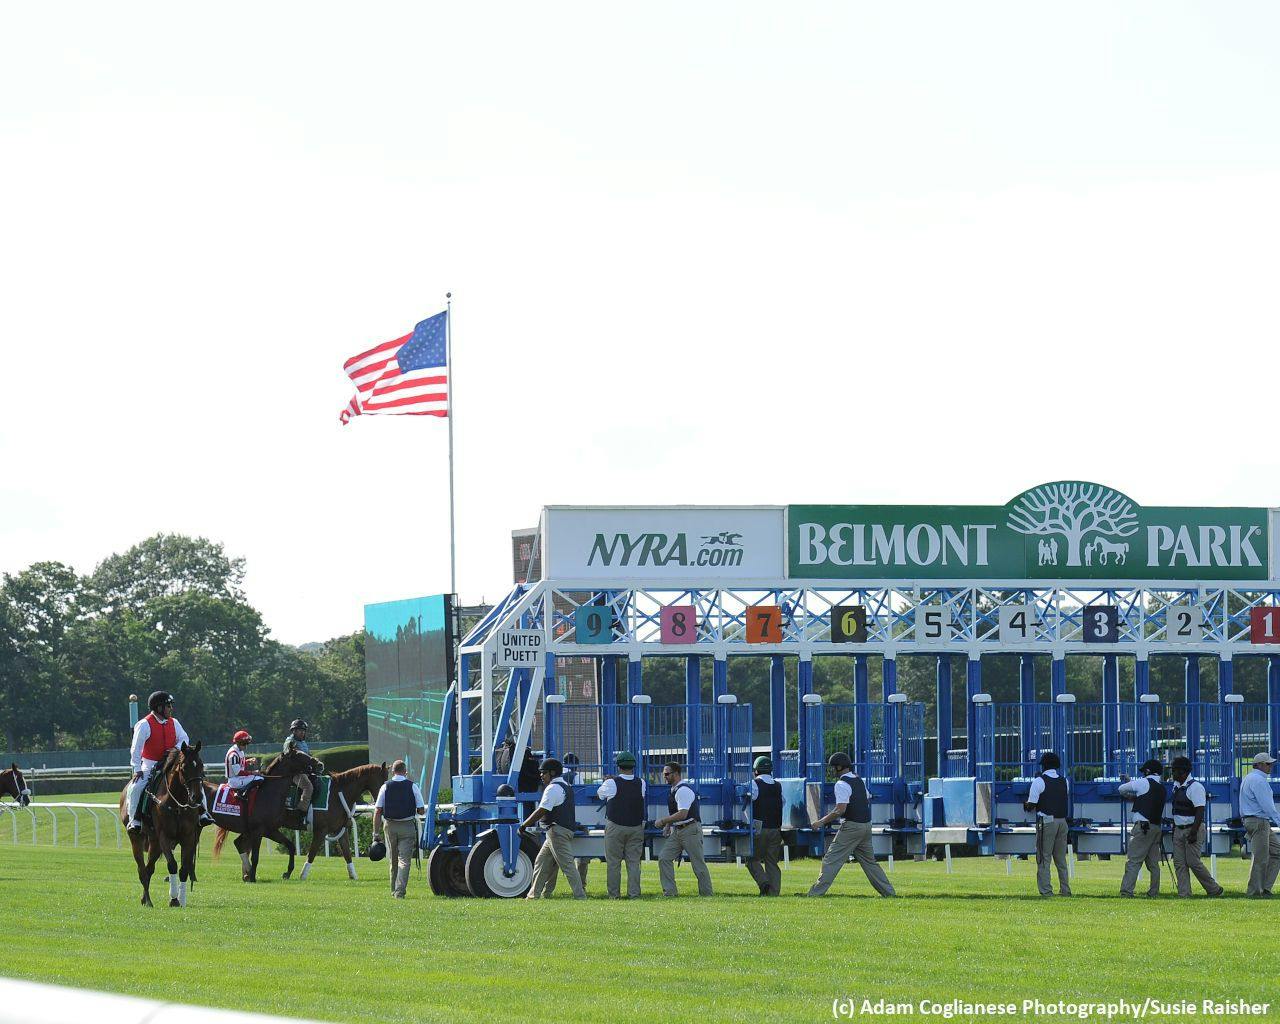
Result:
1090,520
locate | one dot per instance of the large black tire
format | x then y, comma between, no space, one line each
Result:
484,868
446,872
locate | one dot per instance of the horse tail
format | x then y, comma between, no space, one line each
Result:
217,843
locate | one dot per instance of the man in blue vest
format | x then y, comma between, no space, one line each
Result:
1190,800
396,809
1145,845
557,814
853,835
766,823
1049,800
624,813
682,826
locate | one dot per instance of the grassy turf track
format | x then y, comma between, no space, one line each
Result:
343,951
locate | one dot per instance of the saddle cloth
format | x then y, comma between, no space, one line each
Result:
319,799
228,801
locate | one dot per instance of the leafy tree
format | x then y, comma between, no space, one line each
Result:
168,565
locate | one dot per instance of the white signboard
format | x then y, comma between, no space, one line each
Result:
1017,624
1184,623
663,543
933,623
520,648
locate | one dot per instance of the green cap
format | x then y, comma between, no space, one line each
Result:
626,759
763,764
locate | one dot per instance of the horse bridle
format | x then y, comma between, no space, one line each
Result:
19,782
186,786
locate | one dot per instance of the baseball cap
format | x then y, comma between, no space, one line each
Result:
1263,758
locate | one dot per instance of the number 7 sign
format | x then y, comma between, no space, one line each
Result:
1264,625
764,624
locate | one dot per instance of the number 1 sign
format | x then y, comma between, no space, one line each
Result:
1264,625
679,624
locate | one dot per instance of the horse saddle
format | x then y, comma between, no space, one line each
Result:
232,802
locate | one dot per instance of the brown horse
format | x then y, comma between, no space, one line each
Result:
268,816
13,783
175,821
345,790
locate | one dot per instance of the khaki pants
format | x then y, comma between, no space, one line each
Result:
686,839
763,865
1051,844
556,852
853,838
1144,849
1265,848
1187,862
623,843
305,790
401,838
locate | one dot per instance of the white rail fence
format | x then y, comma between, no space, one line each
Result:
24,1002
80,819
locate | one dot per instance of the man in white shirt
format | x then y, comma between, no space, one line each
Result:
1049,799
1258,809
682,826
853,835
153,737
558,810
396,810
1145,844
624,798
1189,802
766,820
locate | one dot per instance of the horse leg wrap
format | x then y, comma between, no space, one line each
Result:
306,870
182,893
244,861
173,886
351,871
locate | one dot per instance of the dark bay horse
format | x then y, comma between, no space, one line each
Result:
345,790
268,819
175,822
13,783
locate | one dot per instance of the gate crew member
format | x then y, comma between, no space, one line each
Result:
241,769
558,810
624,806
297,740
1048,799
853,837
682,826
1258,809
766,819
1189,801
153,737
1145,846
396,809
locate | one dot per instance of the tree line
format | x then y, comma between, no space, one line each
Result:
168,614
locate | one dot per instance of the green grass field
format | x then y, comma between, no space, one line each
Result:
344,951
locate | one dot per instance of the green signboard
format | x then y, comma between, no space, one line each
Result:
1064,530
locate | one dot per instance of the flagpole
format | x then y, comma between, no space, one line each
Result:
448,360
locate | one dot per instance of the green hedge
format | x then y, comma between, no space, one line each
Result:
341,759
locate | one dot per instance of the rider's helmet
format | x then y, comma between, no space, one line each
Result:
242,737
552,766
839,761
159,699
763,764
297,724
625,759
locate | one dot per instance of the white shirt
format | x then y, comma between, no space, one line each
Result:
609,789
1037,790
381,802
1256,800
1198,798
843,792
552,797
142,733
1138,787
755,790
684,800
235,764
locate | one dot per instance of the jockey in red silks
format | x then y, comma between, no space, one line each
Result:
241,769
153,737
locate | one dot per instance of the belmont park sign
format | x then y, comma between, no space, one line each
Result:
1065,530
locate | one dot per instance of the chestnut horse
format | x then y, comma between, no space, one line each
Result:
13,783
268,817
175,821
345,790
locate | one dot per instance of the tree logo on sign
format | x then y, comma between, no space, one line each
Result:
1090,519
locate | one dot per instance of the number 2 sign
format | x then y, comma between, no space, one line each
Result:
1264,625
679,624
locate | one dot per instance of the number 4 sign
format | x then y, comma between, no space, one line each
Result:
1264,625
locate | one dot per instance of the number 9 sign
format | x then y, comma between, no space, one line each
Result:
593,624
679,624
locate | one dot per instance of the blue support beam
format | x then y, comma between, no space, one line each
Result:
1141,678
693,717
778,711
1057,687
1057,677
1192,697
862,710
1273,701
551,712
973,684
804,685
890,674
635,678
719,678
1028,734
1226,718
1110,714
608,712
518,684
945,712
464,724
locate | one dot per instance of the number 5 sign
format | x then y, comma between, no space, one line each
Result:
1264,625
679,624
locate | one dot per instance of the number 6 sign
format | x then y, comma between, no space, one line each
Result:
679,624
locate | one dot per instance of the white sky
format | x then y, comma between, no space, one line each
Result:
712,253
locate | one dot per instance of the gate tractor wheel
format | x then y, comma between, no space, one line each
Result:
446,872
484,868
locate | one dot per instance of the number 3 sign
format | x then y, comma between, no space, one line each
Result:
1101,624
679,624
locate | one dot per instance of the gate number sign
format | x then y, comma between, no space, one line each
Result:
1101,624
849,624
764,624
933,622
1184,623
594,624
1264,625
679,624
1017,624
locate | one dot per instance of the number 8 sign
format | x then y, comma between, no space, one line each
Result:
679,624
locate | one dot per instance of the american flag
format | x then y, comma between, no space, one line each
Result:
405,377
